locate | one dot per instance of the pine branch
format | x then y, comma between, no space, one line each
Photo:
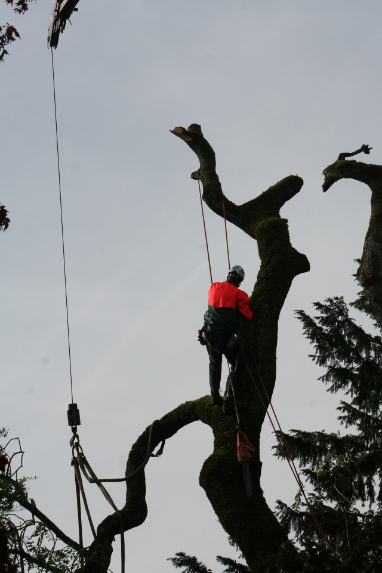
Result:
232,566
191,564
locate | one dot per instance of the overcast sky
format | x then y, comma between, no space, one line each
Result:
279,88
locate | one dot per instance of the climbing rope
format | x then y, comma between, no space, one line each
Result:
283,443
229,267
204,225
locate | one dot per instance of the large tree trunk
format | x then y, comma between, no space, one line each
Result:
249,521
370,270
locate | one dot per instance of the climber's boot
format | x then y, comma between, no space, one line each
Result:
216,399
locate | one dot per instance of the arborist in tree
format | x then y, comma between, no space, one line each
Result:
227,305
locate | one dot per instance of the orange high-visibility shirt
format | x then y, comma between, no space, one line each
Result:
227,295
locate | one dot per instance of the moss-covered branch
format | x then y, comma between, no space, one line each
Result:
249,522
370,270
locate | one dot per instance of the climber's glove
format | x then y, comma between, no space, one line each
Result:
201,337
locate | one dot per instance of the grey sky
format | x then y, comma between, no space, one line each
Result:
279,88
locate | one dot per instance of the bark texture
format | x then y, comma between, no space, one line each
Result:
370,270
249,521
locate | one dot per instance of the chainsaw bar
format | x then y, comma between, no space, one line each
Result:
247,479
245,453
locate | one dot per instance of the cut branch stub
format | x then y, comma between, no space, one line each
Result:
370,269
180,132
337,170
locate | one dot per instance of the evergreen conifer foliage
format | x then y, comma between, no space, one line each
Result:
345,471
191,564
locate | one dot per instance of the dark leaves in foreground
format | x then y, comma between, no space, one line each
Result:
4,219
26,545
9,33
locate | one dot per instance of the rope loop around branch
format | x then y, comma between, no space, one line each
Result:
87,470
81,464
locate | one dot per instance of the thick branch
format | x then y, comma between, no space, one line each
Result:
221,477
245,216
363,149
370,270
342,169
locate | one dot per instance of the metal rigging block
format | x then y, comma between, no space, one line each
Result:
74,419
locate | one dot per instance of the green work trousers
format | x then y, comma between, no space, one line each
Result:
217,345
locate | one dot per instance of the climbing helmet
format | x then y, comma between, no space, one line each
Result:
238,270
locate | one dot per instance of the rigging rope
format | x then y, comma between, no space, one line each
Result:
285,449
84,463
62,228
77,461
79,516
81,464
